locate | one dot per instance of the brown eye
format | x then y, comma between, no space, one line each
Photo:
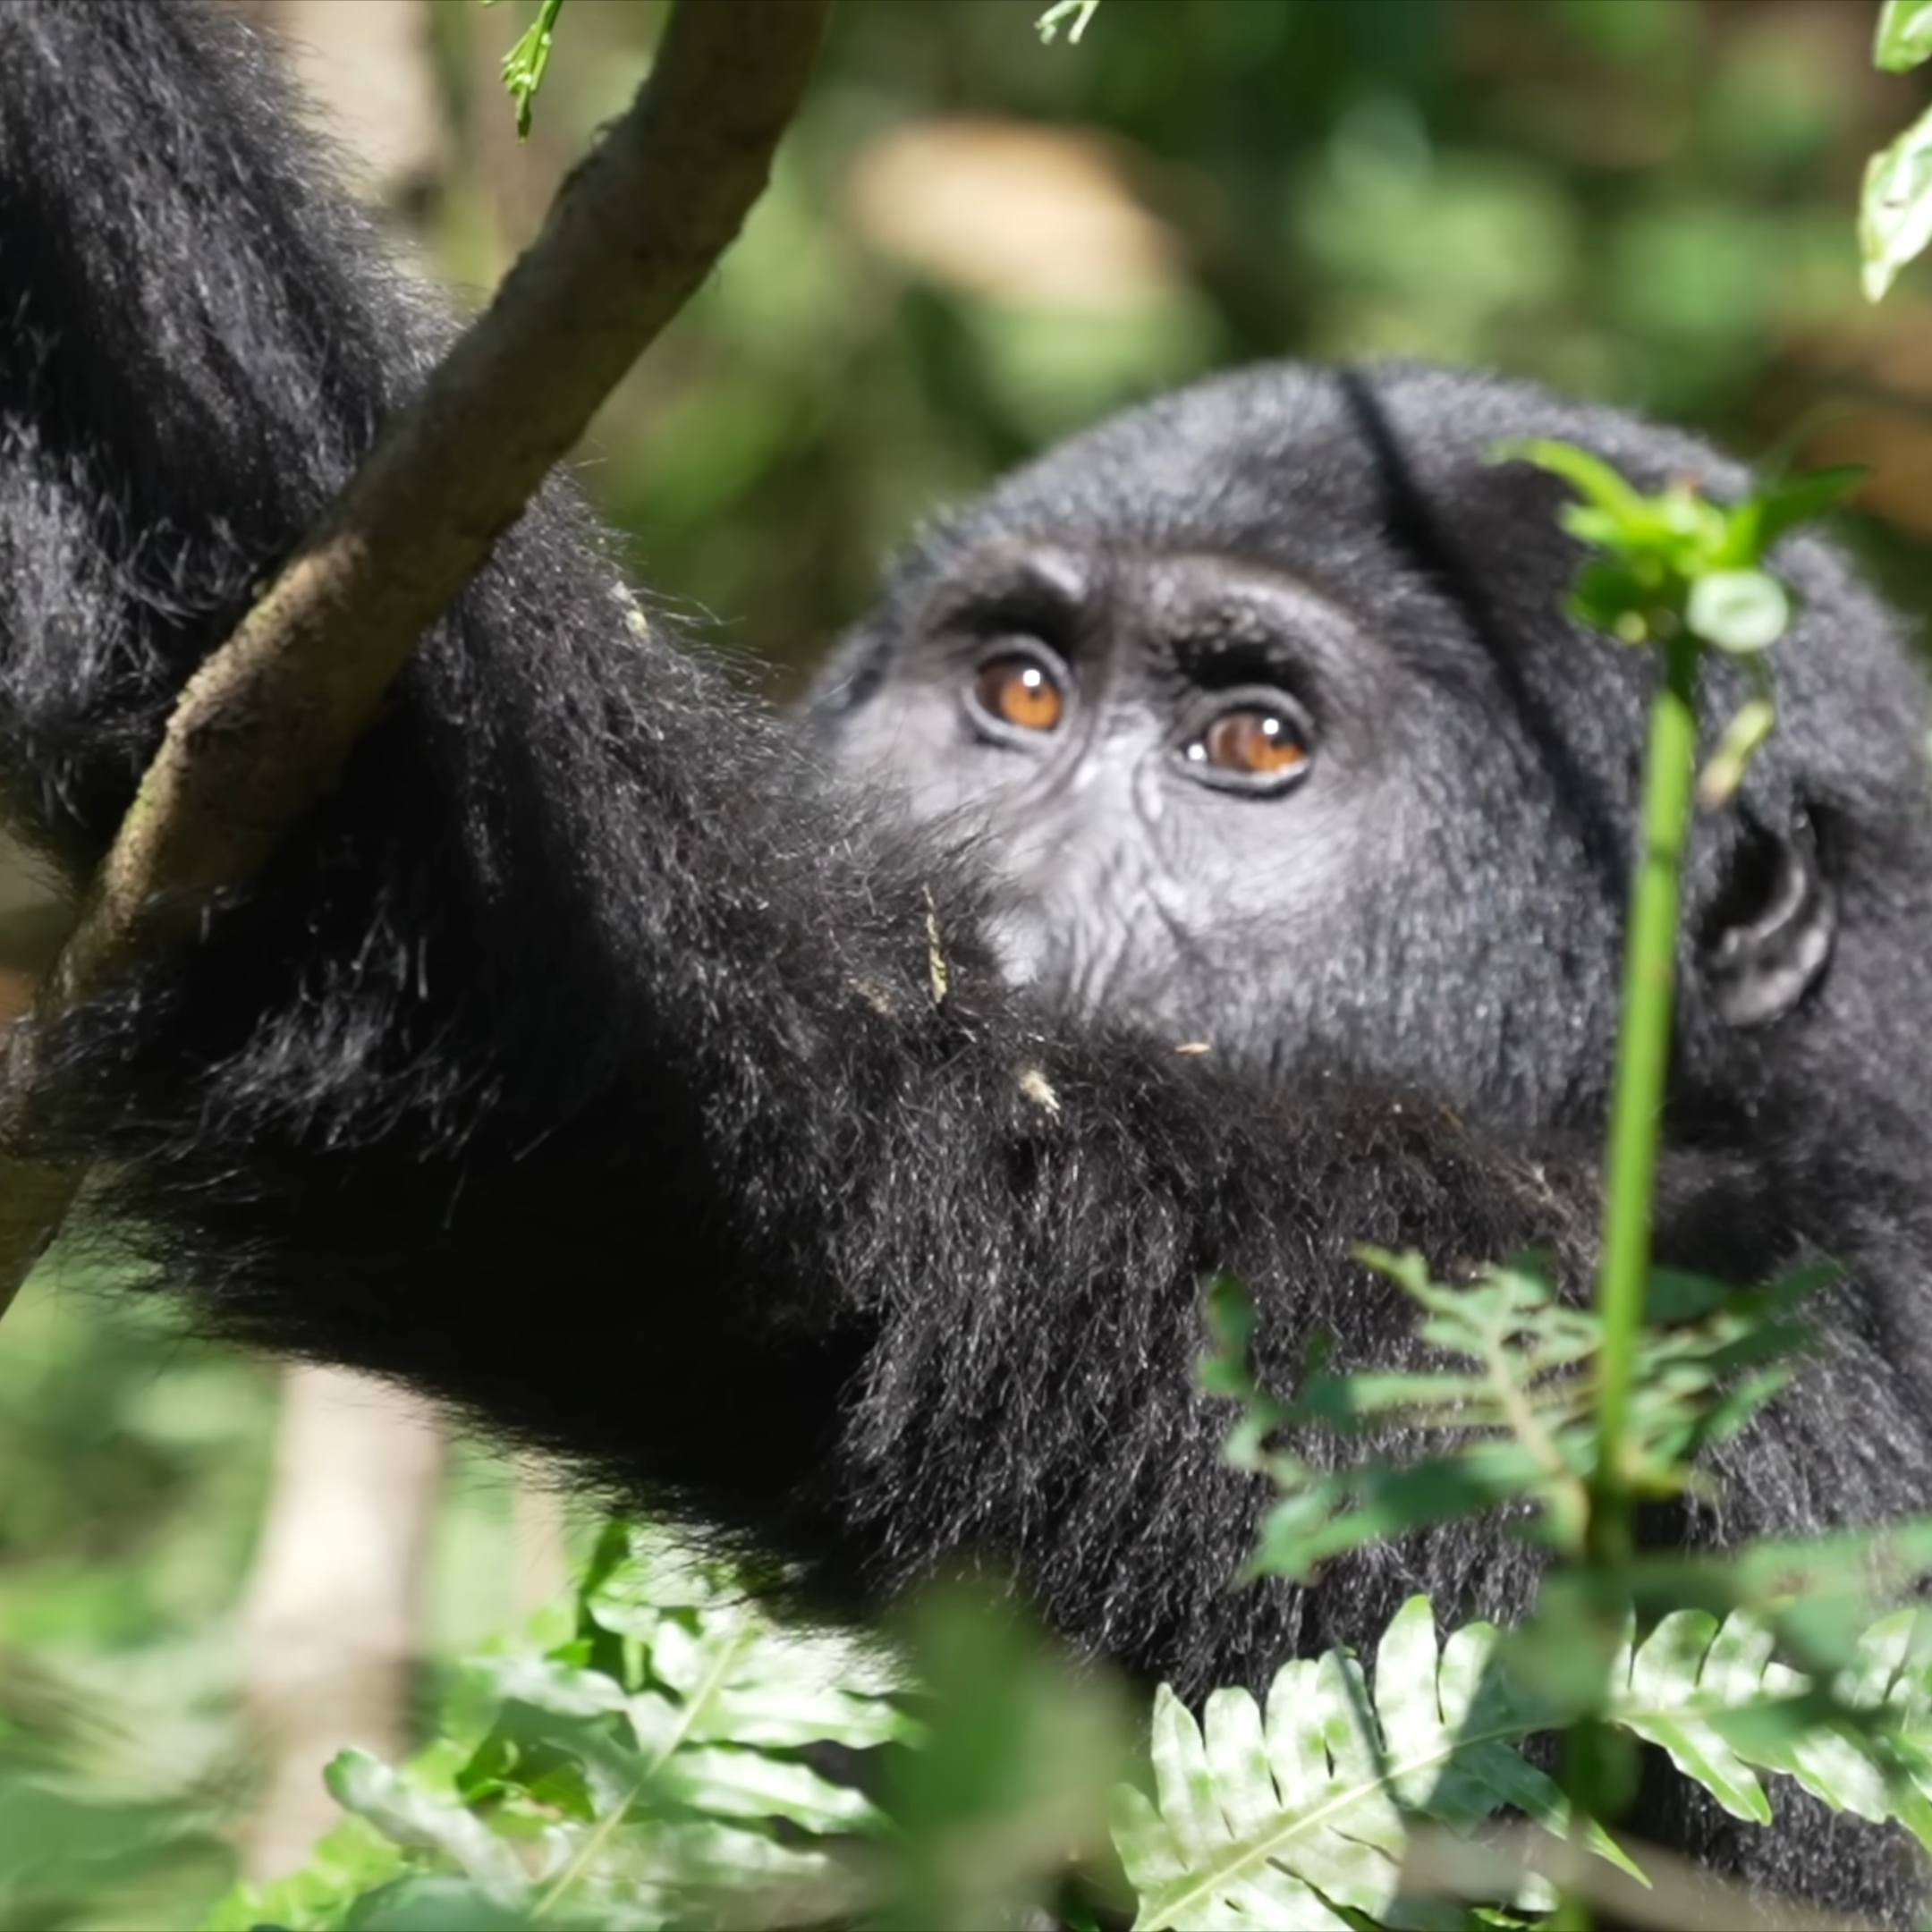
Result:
1020,692
1256,746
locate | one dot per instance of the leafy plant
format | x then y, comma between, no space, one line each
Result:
1895,207
654,1762
1583,1413
1519,1423
1309,1810
524,65
667,1755
1292,1814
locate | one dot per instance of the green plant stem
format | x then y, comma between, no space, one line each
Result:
1637,1100
1643,1065
1591,1753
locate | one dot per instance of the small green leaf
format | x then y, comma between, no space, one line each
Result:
1785,505
1749,726
1683,1651
432,1902
1895,207
1742,612
523,66
1674,1295
1904,36
1598,483
1072,15
365,1785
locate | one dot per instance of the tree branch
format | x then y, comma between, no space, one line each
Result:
263,727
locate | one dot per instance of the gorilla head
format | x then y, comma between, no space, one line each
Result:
1262,701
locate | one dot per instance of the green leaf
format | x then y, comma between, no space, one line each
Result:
351,1858
371,1790
548,1685
523,66
1599,484
1663,1701
1784,506
433,1902
1742,612
1895,205
763,1687
1751,724
751,1784
1301,1816
1071,15
1904,36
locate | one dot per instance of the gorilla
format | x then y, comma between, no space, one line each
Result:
1211,854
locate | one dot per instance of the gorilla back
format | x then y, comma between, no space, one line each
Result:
583,1061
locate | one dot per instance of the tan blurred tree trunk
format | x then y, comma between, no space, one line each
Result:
366,64
332,1615
539,1523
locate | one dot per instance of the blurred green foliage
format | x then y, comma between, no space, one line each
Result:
133,1467
658,1752
1650,201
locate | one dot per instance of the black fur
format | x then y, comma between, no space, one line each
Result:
584,1061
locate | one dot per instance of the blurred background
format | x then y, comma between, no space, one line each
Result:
975,243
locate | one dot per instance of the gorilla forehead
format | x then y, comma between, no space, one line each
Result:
1266,460
1280,457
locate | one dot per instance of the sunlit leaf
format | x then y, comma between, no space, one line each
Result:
1742,612
372,1789
1654,1702
1904,35
1895,207
1300,1815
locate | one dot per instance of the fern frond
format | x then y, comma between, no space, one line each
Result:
1715,1697
1301,1817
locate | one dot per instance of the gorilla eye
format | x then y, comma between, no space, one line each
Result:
1254,747
1020,692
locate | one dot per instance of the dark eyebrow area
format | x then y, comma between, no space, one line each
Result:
1045,598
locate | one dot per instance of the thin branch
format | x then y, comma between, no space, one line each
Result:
263,727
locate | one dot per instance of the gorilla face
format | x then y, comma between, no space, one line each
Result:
1272,759
1227,808
1176,760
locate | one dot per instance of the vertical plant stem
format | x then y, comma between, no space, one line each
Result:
1594,1756
1637,1100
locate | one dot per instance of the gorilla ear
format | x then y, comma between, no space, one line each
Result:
1770,935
